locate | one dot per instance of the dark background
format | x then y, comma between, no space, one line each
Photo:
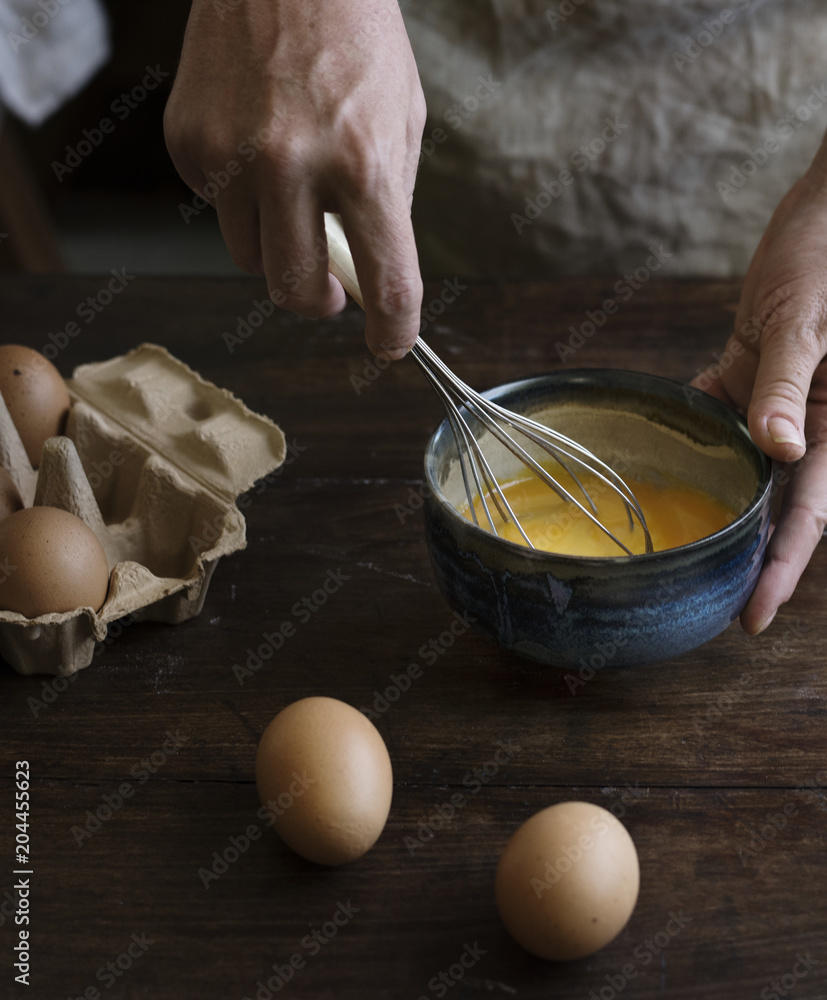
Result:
129,180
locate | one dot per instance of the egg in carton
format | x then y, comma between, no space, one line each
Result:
153,461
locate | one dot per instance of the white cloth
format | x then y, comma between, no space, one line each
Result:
48,50
680,108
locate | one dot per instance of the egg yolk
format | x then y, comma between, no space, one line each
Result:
676,514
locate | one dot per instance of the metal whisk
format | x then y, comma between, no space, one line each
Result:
477,475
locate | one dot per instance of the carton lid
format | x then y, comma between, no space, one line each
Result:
202,430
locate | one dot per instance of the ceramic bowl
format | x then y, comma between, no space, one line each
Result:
586,612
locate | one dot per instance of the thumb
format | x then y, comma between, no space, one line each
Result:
790,354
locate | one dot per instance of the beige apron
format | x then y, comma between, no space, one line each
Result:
574,136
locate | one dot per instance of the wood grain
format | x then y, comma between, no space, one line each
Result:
699,756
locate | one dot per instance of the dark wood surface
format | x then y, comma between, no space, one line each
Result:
695,754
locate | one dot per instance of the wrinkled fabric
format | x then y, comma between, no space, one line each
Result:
571,136
48,50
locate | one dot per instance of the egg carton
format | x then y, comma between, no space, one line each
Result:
153,461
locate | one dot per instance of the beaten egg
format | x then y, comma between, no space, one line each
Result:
567,881
676,514
324,776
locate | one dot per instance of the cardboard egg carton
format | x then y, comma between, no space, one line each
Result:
153,461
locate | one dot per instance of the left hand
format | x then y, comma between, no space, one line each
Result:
774,369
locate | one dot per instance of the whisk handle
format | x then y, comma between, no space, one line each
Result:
341,260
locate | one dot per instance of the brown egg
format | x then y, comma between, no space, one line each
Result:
9,495
35,395
50,561
567,881
324,778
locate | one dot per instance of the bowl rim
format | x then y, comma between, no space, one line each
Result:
623,378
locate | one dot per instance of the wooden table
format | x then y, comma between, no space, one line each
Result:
714,761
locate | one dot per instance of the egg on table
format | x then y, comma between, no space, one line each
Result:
51,563
567,881
324,776
35,395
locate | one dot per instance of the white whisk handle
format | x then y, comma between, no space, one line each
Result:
341,260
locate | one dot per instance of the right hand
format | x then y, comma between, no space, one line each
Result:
318,105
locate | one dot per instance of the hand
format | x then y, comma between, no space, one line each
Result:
776,372
285,109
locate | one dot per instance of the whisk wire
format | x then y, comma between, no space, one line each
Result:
452,391
480,468
456,396
611,478
537,432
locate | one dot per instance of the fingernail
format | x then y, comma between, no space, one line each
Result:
395,353
784,431
765,624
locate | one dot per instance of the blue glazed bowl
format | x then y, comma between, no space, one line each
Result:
586,613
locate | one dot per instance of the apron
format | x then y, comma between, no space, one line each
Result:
580,136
